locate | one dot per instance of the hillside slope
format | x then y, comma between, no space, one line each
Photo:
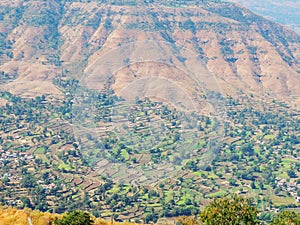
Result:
44,40
105,135
281,11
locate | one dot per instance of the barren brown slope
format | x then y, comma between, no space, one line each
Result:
43,40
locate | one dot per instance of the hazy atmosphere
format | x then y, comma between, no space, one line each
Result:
175,112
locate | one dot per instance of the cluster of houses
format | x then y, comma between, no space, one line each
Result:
12,156
290,187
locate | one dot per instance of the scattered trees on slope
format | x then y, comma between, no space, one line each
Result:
236,210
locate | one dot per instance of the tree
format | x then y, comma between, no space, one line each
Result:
292,174
286,218
5,180
26,202
230,211
232,182
150,217
247,149
75,218
28,181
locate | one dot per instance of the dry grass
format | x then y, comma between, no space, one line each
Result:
13,216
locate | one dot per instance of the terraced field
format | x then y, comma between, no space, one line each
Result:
92,121
43,166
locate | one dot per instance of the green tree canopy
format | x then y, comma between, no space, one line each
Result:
28,181
230,211
286,218
75,218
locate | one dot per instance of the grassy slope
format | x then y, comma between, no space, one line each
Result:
12,216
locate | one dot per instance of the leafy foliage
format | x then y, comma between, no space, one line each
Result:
75,218
230,211
286,218
189,220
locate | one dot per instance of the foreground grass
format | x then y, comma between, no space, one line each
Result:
13,216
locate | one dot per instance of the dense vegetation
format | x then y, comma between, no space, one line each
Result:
43,165
75,218
51,173
231,210
237,210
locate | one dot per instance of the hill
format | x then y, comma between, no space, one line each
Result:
44,40
284,12
146,109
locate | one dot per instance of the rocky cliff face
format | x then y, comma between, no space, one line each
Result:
43,40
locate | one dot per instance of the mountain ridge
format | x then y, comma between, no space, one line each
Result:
262,55
284,12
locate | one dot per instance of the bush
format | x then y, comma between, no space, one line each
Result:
230,211
75,218
286,218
